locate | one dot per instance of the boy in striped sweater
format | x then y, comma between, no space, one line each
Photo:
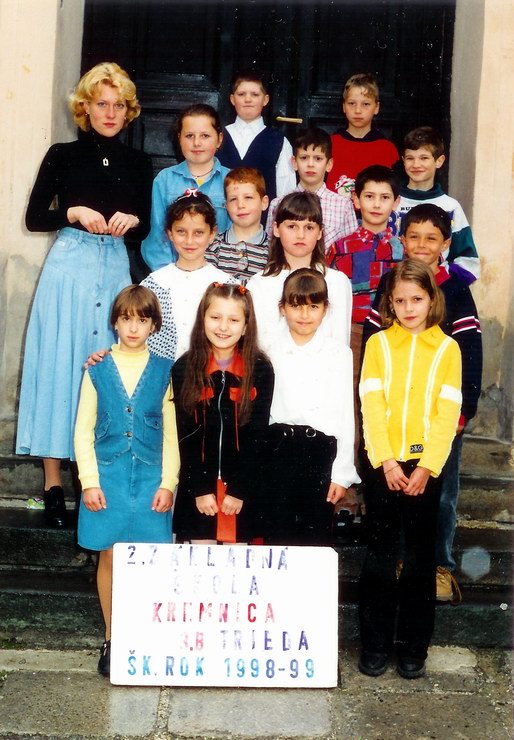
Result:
242,250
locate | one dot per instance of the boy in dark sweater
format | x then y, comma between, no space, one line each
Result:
427,234
359,144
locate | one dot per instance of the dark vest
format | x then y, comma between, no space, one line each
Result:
263,154
133,423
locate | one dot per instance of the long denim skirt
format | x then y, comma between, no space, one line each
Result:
81,276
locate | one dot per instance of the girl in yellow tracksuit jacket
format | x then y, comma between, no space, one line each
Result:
410,391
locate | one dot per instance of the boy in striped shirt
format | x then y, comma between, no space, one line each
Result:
242,250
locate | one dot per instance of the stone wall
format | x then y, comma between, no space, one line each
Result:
40,50
481,178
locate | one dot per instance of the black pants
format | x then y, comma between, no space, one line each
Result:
298,474
410,599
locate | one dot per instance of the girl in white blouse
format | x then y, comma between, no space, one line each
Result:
311,423
297,242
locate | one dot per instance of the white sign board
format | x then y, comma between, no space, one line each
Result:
200,615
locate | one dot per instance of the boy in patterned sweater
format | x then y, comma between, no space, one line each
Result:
366,254
423,155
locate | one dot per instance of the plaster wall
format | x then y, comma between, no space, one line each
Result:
40,50
481,178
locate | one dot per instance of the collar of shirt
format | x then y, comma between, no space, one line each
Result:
285,342
319,192
244,133
246,129
235,366
431,336
375,238
442,274
256,238
183,169
170,276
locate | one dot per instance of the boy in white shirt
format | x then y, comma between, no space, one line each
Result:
248,142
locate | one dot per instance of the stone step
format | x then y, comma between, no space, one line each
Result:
58,609
487,480
483,552
486,498
48,589
25,540
21,477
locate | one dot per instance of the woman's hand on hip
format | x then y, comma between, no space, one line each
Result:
120,223
91,220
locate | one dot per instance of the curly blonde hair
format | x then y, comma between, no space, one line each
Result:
105,73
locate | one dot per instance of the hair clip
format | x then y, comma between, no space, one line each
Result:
240,288
189,193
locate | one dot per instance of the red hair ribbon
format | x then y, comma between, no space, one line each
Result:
241,288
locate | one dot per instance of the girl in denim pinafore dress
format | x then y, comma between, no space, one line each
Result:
126,444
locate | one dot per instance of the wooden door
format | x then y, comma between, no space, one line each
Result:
179,53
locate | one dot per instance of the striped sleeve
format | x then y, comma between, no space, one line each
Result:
464,326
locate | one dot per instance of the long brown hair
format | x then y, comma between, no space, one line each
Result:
412,271
296,206
200,350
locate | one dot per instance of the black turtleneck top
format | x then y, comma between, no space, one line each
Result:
95,171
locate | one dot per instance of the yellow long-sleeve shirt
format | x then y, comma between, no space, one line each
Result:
130,366
410,390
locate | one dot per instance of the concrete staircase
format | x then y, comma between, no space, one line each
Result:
48,592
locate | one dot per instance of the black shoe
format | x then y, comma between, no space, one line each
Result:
373,664
411,667
104,664
55,508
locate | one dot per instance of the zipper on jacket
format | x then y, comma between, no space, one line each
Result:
405,410
221,422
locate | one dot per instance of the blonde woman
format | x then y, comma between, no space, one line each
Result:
93,192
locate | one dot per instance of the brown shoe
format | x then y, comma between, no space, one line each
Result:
447,586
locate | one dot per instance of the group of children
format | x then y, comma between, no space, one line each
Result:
256,327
